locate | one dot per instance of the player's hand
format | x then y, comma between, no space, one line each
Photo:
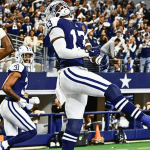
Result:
34,100
102,61
22,102
94,51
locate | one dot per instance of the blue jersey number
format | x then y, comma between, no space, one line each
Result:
48,24
79,33
16,67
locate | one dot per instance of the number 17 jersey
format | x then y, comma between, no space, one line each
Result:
74,34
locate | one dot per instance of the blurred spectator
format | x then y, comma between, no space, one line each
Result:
7,9
88,122
31,40
39,30
117,64
145,56
39,49
51,59
130,56
92,40
25,3
121,44
103,39
42,14
35,110
12,25
27,26
128,65
147,16
122,122
57,120
24,12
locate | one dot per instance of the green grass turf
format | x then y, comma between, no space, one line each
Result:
127,146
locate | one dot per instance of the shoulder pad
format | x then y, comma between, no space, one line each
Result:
51,23
16,67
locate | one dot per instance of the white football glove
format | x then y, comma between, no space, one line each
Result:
34,100
22,102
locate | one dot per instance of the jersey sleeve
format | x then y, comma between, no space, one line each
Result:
52,23
54,29
2,33
16,67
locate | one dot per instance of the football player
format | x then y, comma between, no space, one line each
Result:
11,107
6,46
74,81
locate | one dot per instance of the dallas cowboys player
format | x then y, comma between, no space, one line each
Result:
6,44
74,82
11,107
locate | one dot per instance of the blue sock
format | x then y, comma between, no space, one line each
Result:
71,134
23,136
9,137
117,99
146,120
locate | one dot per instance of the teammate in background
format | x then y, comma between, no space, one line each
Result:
74,82
11,107
6,46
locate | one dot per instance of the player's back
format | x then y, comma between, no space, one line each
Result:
22,82
74,33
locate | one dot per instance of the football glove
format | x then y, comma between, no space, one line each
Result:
23,101
102,61
94,51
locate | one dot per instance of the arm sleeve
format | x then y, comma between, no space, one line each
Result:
2,33
65,53
112,50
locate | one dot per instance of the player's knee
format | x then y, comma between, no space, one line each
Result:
113,92
33,132
74,126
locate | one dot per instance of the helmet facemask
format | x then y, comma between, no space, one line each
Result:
25,56
57,9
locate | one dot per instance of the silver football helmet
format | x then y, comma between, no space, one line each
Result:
20,55
57,8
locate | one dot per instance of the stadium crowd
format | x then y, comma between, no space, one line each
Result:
106,20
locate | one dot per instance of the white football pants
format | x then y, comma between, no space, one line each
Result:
76,84
15,117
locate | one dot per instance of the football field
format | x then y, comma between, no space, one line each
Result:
127,146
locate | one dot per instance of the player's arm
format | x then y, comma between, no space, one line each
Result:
8,84
87,43
59,44
6,44
57,38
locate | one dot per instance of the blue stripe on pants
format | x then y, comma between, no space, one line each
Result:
77,81
16,116
22,116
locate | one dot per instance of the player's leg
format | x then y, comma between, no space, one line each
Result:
84,82
75,106
13,113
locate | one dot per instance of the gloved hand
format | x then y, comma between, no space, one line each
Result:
23,101
102,61
34,100
94,51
